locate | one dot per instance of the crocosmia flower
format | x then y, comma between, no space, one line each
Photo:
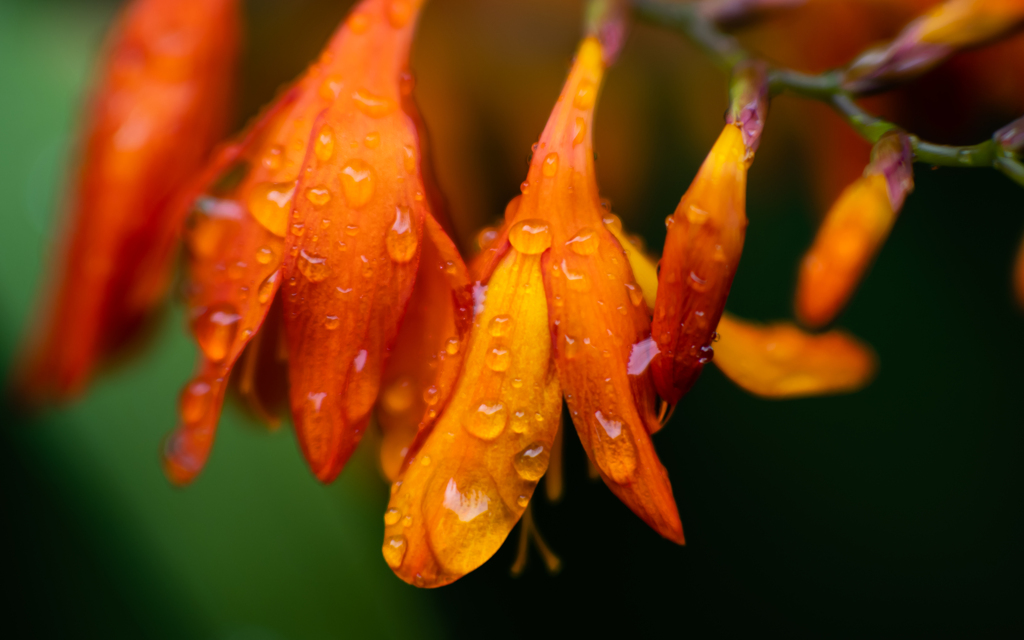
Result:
160,104
558,314
323,205
853,231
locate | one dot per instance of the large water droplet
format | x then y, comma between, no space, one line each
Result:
373,105
532,462
499,358
215,330
579,131
488,421
267,288
530,236
585,242
400,240
394,551
270,204
614,450
319,196
312,266
550,167
358,182
500,326
392,516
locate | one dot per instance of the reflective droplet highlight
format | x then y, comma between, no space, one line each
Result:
358,182
270,204
400,240
488,421
585,242
532,462
530,236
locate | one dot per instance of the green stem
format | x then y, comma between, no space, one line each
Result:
827,87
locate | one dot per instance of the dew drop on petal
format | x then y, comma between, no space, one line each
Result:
499,358
550,167
323,146
274,157
195,401
270,203
319,196
372,140
431,395
312,266
394,551
695,215
266,290
500,326
636,296
614,450
400,239
358,182
520,421
264,255
332,322
530,237
577,281
407,521
586,94
532,462
585,242
392,516
488,421
373,105
215,330
579,131
452,346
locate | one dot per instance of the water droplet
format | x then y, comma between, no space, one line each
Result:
697,283
576,280
394,551
312,266
579,131
330,89
572,347
372,140
486,236
195,401
695,215
297,230
399,13
215,330
613,222
398,396
522,501
324,144
636,296
532,462
517,383
319,196
409,159
270,203
499,359
358,22
400,240
452,346
274,158
585,243
431,395
550,167
614,450
332,322
373,105
357,181
264,255
489,420
407,521
500,326
524,187
530,236
425,461
266,290
392,516
586,94
520,421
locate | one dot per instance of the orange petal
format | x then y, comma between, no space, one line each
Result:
354,238
781,361
427,356
702,251
123,231
235,243
468,479
849,237
598,319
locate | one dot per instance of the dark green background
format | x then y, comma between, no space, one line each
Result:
892,512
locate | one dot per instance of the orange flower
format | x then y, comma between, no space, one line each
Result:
558,311
160,104
323,204
853,231
704,243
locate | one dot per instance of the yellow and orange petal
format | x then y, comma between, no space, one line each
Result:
850,236
780,361
702,251
467,480
169,68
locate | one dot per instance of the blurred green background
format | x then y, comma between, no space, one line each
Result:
892,512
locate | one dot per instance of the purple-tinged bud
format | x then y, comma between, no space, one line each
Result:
748,107
735,12
1011,137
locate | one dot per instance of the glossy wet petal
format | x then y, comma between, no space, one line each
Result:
353,239
597,320
469,478
169,68
781,361
427,356
702,252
